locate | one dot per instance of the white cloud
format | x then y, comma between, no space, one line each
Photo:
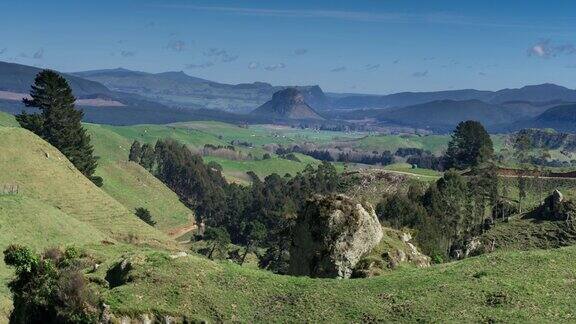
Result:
274,67
253,65
546,49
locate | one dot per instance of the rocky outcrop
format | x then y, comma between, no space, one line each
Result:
395,249
331,236
554,208
288,103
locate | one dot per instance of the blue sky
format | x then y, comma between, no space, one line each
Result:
344,46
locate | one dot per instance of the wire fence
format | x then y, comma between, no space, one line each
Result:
9,189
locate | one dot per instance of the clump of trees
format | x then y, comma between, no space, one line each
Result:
456,207
257,216
59,122
50,287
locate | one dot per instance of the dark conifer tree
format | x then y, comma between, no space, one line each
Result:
59,122
147,156
470,146
135,152
144,214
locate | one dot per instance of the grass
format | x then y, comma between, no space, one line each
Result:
537,189
115,141
527,234
266,167
407,168
24,220
43,173
265,134
7,120
132,185
503,286
432,143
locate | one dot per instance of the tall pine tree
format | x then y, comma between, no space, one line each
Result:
59,122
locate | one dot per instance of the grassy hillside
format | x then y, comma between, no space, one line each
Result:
132,185
7,120
43,173
503,286
24,220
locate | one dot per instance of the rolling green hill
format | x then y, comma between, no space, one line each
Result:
25,220
43,173
132,185
498,287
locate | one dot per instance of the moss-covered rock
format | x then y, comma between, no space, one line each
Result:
332,235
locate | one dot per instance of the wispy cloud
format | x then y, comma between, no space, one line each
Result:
127,53
546,49
372,67
274,67
300,51
176,45
395,61
339,69
446,18
3,50
39,54
150,24
420,74
253,65
222,54
199,66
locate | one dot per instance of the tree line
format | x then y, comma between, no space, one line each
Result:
259,215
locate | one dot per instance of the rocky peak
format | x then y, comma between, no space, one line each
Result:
290,96
288,103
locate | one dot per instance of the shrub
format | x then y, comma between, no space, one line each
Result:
49,288
144,214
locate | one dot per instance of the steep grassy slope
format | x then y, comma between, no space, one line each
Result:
132,185
7,120
24,220
43,173
535,286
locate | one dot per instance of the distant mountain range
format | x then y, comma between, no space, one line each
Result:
120,96
534,93
181,90
288,103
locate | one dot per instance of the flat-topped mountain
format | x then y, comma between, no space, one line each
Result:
288,103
